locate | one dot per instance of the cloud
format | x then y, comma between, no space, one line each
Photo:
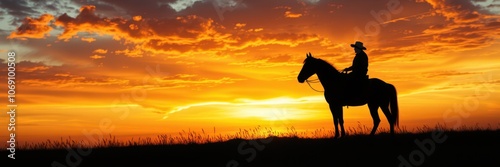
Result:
97,57
33,28
88,39
174,36
100,51
195,36
311,1
186,34
18,8
440,74
438,27
462,11
157,9
493,6
32,68
73,81
267,61
179,34
285,39
192,80
180,5
289,14
88,21
466,26
40,75
239,25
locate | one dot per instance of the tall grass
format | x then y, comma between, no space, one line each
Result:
193,137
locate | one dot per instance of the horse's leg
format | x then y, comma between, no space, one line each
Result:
341,120
374,113
388,115
335,119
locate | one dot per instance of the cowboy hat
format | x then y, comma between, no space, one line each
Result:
358,45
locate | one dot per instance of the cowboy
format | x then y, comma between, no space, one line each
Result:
359,66
357,79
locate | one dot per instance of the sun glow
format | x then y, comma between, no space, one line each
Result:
268,113
200,64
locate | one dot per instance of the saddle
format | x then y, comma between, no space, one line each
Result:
355,91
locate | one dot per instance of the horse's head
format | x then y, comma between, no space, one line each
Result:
308,69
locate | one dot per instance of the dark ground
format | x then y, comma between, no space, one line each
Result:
466,148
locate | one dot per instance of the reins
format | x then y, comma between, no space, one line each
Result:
313,81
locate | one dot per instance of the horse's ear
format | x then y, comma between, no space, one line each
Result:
308,54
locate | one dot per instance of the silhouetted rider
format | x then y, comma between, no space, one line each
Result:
359,66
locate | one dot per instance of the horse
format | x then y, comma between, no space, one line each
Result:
380,94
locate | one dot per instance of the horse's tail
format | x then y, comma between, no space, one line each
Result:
393,97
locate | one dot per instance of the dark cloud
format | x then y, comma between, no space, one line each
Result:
493,24
2,15
147,8
18,8
462,11
33,27
54,7
493,6
449,26
466,27
407,27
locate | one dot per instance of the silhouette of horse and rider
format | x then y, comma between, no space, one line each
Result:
353,87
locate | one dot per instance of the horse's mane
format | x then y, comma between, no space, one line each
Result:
326,64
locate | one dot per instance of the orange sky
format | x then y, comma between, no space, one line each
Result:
150,67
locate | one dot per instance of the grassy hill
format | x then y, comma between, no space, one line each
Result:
431,148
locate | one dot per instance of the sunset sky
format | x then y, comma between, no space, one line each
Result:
162,66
